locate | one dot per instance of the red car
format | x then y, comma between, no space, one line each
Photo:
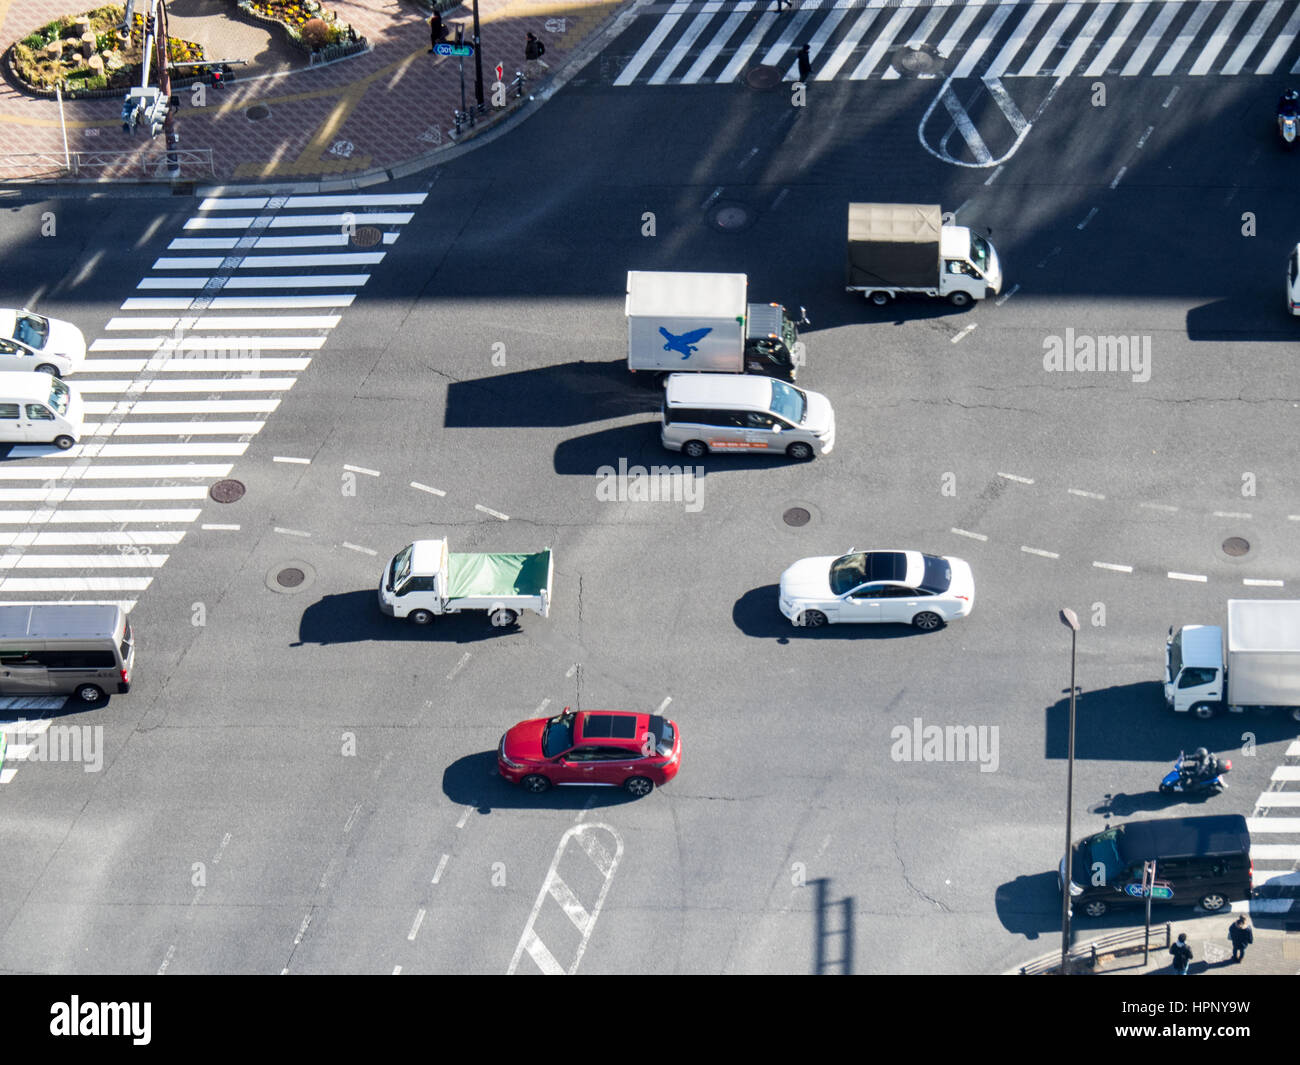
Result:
606,748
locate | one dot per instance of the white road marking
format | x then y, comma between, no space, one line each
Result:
1280,46
347,825
415,927
598,851
112,561
664,705
973,535
110,473
1272,825
99,517
719,40
849,42
1279,798
975,51
1087,218
426,488
1256,582
1039,551
1159,506
302,930
571,670
195,428
1016,478
290,458
1184,39
1009,293
465,816
291,532
1218,39
259,283
541,707
964,333
1252,38
1116,41
442,864
60,495
1115,183
1287,772
361,469
1231,514
1148,43
1286,852
397,970
459,665
1113,566
358,547
647,50
219,528
1173,576
490,511
98,539
1085,495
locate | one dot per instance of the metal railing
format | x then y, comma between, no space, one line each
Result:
36,166
1090,953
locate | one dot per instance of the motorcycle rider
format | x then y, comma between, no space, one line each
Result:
1202,765
1289,103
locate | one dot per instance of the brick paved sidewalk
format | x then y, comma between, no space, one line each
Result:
389,106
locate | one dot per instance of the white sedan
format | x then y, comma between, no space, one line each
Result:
926,591
30,341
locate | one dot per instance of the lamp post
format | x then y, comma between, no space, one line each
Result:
478,64
1071,621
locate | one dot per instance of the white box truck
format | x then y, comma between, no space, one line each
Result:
424,580
679,322
1256,668
906,247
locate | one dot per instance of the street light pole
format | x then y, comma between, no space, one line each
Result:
1071,621
478,63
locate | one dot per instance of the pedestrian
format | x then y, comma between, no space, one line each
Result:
1242,937
805,64
437,31
533,52
1182,954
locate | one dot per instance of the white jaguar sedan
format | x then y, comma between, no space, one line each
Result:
906,587
30,341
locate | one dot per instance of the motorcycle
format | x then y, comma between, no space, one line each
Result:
1288,119
1195,775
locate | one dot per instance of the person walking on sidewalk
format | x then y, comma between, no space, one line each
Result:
1182,953
533,52
1242,937
805,64
437,31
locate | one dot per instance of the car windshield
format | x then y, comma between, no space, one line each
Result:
1103,850
557,737
60,395
788,402
1176,654
402,566
979,252
847,572
938,575
32,330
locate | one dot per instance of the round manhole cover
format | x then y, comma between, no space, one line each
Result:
290,577
258,112
366,237
916,61
1236,546
763,77
731,217
796,516
227,491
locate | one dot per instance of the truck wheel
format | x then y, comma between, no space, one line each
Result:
959,299
502,619
695,449
1204,711
63,442
419,617
800,452
880,299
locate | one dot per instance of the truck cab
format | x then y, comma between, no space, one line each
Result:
970,264
1194,674
772,341
414,582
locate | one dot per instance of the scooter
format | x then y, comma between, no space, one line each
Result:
1287,129
1189,777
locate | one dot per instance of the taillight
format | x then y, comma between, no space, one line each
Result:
125,676
1227,765
963,598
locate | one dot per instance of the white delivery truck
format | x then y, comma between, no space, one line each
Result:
679,322
906,247
423,580
1256,668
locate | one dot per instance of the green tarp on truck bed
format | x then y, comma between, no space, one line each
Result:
470,576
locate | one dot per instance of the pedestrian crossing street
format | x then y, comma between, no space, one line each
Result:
716,41
1275,841
176,387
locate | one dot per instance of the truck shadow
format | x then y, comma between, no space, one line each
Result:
474,781
571,393
354,617
756,614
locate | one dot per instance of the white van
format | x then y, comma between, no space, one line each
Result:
38,409
728,412
81,649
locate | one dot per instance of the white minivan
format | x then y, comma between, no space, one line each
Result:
38,409
706,412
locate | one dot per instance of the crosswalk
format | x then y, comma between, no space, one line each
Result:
1275,841
181,381
716,41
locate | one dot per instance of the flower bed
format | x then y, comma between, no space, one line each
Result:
86,54
307,25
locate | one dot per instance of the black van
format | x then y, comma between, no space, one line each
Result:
1201,861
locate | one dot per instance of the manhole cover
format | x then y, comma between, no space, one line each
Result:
916,61
1236,546
796,516
258,112
730,217
366,237
227,491
763,77
290,578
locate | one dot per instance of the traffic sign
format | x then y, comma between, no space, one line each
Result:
454,49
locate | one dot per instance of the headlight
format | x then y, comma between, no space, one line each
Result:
501,753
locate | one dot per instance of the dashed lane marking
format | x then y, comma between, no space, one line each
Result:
291,459
415,928
292,532
965,332
1231,514
1174,576
1015,477
972,535
1113,566
459,665
361,469
490,511
1039,551
1085,495
1259,582
442,864
220,528
1159,506
426,488
358,547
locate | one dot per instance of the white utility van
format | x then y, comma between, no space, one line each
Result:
725,412
81,649
36,408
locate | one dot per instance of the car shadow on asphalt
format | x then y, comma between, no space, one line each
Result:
1029,906
1261,317
571,393
354,617
474,781
756,614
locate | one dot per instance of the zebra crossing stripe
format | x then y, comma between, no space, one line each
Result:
1218,39
1117,40
849,42
92,539
741,58
1047,44
683,46
1281,44
174,429
1016,41
881,45
74,584
122,561
647,50
189,470
959,28
67,516
719,42
1253,36
793,28
302,321
982,41
1184,39
1082,42
1166,15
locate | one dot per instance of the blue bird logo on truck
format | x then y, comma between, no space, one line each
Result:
685,343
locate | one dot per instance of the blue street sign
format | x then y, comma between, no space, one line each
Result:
454,49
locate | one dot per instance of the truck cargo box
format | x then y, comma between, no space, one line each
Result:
1264,652
893,245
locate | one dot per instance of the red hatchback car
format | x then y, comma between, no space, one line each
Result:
606,748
